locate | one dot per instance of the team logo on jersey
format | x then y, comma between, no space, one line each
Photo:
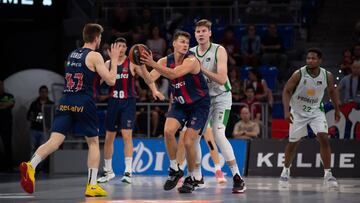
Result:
208,59
319,83
310,92
193,120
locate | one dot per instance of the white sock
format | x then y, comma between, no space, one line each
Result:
190,173
217,167
326,171
108,165
234,170
128,164
197,173
174,164
35,160
285,171
92,176
183,165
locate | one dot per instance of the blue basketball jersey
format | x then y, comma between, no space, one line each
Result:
124,87
188,88
79,79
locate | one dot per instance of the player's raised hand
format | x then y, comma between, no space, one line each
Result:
114,51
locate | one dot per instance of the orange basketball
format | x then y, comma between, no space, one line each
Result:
136,51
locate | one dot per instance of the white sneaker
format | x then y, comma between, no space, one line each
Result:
284,179
106,177
330,181
126,178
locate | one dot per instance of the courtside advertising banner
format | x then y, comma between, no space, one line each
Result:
150,157
267,156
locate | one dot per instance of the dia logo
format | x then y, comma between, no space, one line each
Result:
144,158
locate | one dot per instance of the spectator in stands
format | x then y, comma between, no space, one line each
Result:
143,26
7,102
232,46
252,103
246,128
356,52
262,91
156,43
349,86
122,25
346,62
250,47
35,116
237,88
273,51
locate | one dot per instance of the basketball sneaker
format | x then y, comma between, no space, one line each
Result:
199,184
27,173
238,184
188,185
220,177
95,191
173,178
106,176
330,181
284,178
126,178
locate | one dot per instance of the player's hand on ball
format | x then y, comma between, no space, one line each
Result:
147,59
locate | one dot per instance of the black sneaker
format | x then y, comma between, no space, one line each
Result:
239,184
173,178
188,185
199,184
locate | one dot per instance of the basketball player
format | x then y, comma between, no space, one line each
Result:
77,105
213,58
190,105
303,92
121,112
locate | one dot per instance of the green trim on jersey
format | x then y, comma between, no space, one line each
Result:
322,108
311,75
197,52
227,86
298,81
216,53
226,116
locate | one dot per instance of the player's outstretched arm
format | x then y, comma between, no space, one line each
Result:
220,76
189,65
287,92
108,76
142,72
333,94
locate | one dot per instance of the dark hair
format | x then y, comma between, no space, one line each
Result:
120,40
315,50
181,33
249,87
91,31
43,87
256,73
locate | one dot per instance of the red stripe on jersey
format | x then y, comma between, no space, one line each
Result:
124,81
112,90
184,91
198,85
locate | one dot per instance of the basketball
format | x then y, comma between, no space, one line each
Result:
136,51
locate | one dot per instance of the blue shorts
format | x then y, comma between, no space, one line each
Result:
193,115
74,110
120,114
